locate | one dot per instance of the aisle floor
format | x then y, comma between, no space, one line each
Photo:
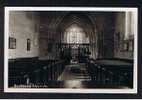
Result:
74,75
75,72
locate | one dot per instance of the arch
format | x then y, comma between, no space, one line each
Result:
83,20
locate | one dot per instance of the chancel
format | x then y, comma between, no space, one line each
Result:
71,49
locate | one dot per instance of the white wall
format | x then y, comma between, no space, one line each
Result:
22,27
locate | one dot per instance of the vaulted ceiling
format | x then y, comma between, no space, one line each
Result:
54,23
62,20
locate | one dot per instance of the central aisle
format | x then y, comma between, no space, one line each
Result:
74,74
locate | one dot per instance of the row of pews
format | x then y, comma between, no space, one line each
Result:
33,72
36,73
111,72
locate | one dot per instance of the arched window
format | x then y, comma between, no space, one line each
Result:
75,34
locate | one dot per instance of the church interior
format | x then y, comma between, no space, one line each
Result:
70,49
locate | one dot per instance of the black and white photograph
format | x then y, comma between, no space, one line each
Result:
70,50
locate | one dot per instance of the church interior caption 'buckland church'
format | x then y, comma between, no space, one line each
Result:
70,49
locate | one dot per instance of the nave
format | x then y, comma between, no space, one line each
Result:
71,49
